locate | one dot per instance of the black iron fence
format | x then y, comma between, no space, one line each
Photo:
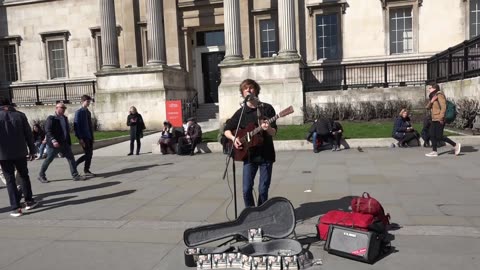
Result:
459,62
365,75
49,93
189,107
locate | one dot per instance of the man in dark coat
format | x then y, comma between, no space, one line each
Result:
83,127
15,136
322,128
193,136
58,139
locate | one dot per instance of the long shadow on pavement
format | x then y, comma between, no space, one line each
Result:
468,149
312,209
75,190
39,197
43,207
130,170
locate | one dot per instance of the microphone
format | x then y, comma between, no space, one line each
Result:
247,98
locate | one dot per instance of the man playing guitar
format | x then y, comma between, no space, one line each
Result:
261,152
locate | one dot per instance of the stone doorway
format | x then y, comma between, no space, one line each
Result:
211,75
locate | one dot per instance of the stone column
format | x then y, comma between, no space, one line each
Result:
156,45
173,32
286,27
108,30
233,39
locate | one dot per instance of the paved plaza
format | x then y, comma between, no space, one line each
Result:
133,214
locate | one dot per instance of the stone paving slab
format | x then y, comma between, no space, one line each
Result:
133,214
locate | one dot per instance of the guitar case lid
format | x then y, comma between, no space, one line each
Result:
276,218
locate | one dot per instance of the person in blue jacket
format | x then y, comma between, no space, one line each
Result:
403,130
83,127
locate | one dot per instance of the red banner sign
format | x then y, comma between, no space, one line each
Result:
174,112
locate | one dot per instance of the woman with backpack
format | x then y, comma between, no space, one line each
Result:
438,106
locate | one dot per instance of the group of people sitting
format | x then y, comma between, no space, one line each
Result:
181,142
327,132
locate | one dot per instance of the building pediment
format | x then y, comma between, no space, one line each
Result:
319,4
21,2
385,2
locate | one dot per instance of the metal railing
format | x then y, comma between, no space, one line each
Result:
189,107
459,62
49,93
365,75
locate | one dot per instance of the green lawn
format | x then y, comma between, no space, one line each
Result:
352,130
101,135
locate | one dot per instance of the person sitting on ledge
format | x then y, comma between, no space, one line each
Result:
337,131
193,136
320,129
403,130
166,140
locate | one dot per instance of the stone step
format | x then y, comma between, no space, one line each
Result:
207,111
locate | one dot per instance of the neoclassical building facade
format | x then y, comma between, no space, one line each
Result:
144,52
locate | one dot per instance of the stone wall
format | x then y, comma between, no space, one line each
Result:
40,113
469,88
280,84
29,20
145,88
352,96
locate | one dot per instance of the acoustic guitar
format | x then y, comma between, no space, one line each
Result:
249,136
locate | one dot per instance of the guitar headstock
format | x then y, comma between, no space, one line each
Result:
286,112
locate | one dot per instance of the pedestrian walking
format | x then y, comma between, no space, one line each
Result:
438,107
83,127
57,130
15,136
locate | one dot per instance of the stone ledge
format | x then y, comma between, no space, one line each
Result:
77,149
292,145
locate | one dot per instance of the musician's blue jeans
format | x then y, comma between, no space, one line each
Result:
249,172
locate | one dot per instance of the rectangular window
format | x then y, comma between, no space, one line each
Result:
474,18
401,30
211,38
10,60
268,42
327,36
56,59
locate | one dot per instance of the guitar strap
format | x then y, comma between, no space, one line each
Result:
259,114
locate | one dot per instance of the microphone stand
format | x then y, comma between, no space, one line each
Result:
230,156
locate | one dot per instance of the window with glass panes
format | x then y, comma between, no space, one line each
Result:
56,58
474,18
10,60
268,40
327,36
401,31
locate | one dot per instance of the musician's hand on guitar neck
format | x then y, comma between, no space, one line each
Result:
266,126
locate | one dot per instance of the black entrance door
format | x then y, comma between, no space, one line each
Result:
211,75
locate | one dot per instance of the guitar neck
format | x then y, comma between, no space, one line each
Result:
258,129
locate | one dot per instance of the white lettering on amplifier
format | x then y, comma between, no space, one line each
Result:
350,234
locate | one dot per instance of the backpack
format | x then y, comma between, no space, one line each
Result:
368,205
451,112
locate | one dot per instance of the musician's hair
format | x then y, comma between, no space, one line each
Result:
249,82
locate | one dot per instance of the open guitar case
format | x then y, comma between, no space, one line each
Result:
275,218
